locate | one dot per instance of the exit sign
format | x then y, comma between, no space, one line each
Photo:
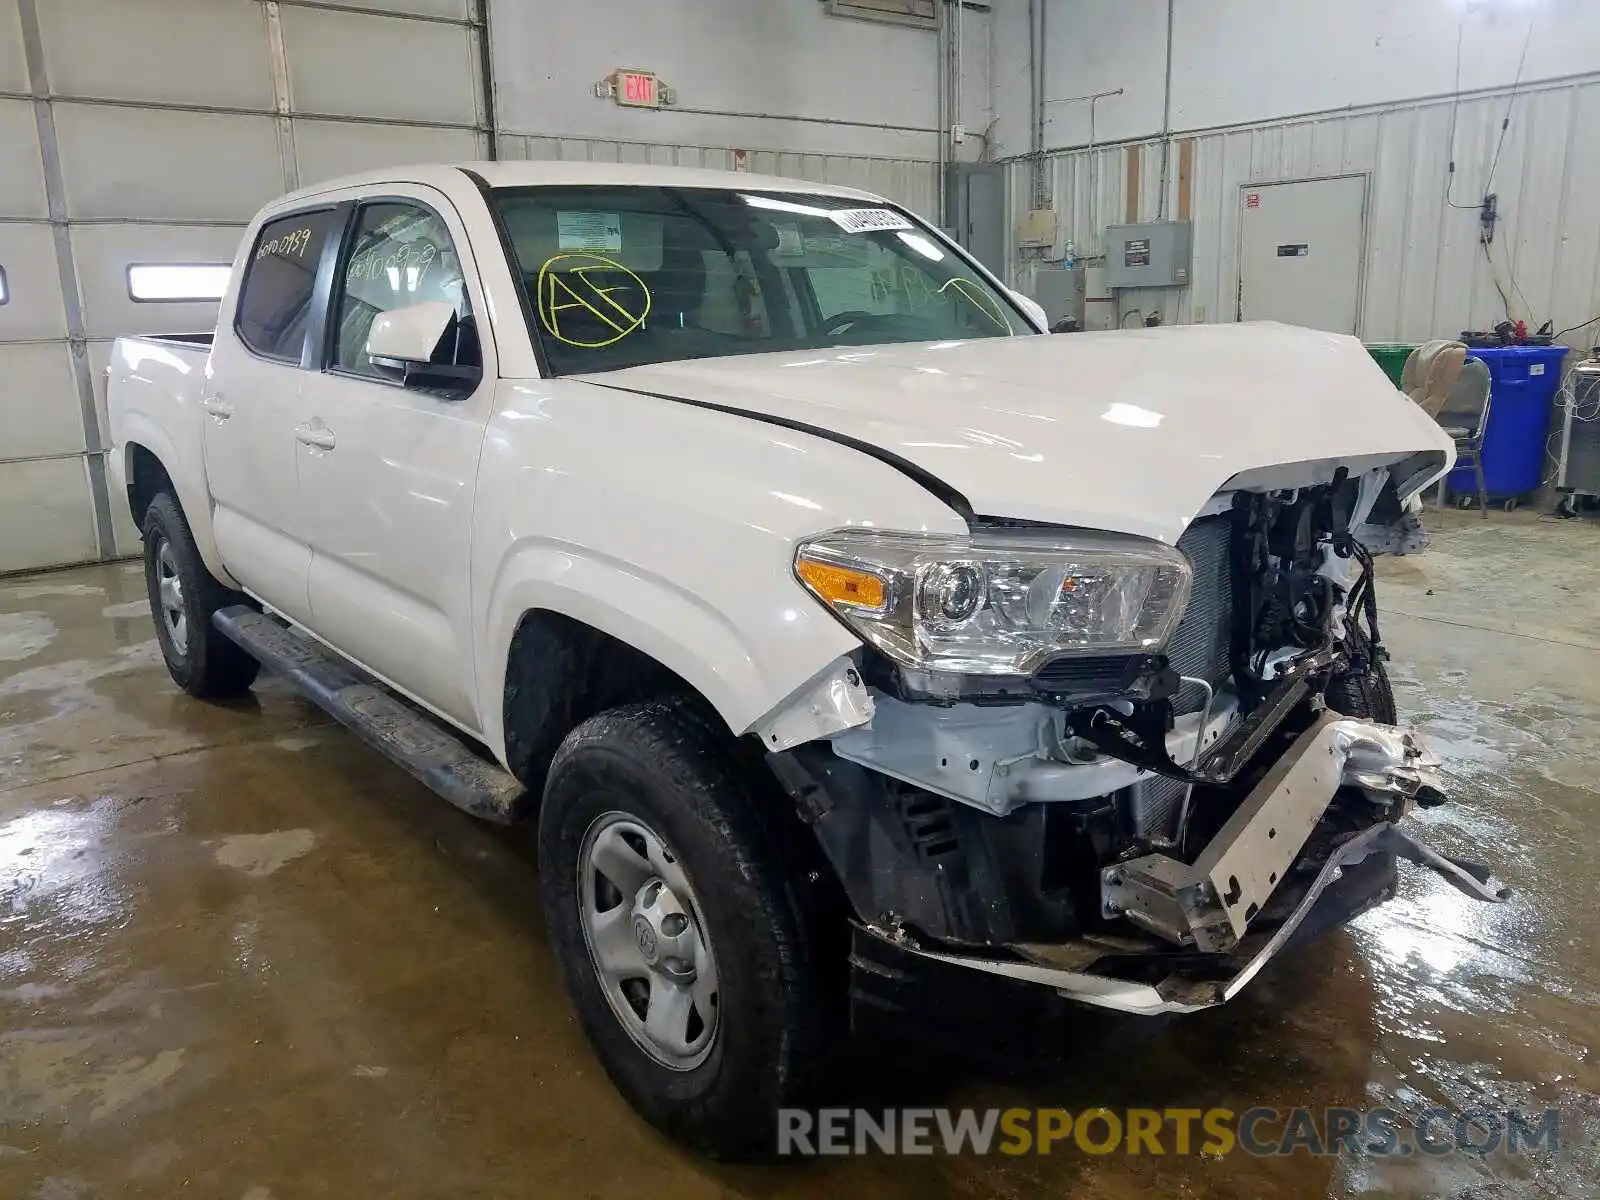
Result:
637,89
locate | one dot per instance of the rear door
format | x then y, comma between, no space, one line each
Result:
250,399
388,472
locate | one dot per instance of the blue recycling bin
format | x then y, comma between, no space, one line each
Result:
1525,382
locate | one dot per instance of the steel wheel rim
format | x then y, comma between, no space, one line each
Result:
169,598
647,941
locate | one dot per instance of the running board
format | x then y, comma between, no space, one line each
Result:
409,738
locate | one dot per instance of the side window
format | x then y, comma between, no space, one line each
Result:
402,255
280,277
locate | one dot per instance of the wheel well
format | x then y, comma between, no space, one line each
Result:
147,478
559,673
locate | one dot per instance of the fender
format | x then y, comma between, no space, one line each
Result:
680,631
193,495
671,528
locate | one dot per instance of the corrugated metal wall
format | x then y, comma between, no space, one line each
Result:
151,133
1425,272
910,182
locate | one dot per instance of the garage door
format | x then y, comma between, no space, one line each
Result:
145,135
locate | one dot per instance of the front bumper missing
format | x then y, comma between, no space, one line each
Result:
1152,983
1210,903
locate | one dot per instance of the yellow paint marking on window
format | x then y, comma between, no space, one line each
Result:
970,291
565,286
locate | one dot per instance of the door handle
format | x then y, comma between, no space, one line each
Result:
217,407
319,436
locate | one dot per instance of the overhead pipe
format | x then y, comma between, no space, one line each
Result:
942,105
1166,123
1094,99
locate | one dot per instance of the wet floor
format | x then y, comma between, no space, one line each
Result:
242,958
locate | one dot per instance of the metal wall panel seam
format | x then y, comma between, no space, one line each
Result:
485,40
56,196
163,222
469,22
601,139
222,110
282,98
59,456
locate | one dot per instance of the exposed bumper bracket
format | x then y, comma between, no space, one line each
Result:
1204,981
1210,903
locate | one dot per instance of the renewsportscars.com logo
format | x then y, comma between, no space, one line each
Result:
1258,1131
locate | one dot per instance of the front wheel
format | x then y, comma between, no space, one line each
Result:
183,596
1365,691
677,928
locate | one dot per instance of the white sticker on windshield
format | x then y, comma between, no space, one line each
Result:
790,243
589,230
868,220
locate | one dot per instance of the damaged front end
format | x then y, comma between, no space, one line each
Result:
1143,829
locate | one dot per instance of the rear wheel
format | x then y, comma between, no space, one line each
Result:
678,929
183,595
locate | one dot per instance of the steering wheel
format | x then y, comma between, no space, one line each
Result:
842,322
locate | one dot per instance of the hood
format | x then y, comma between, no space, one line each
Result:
1130,431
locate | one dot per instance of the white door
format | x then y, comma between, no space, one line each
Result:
1300,247
388,471
250,403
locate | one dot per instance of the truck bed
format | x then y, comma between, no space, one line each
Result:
187,340
153,387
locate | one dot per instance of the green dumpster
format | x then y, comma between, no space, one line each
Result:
1391,356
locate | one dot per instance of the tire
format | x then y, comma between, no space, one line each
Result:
659,769
183,595
1365,692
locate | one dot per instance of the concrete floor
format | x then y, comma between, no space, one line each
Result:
243,958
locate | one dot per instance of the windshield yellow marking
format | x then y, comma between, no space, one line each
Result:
564,286
971,291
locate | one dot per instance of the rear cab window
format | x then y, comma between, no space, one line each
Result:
280,276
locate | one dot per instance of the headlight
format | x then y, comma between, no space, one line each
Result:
997,604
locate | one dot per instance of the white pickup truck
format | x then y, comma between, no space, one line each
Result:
853,643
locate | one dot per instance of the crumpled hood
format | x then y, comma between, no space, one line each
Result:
1127,431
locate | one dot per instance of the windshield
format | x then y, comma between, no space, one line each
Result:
620,276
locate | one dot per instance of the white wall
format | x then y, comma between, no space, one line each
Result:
1273,90
1243,61
786,57
1425,272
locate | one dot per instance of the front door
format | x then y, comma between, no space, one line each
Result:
249,404
1300,247
388,473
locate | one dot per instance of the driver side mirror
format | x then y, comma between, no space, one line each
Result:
413,345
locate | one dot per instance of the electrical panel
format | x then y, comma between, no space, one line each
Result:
1154,254
1037,228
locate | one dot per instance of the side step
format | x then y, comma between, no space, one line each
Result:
409,738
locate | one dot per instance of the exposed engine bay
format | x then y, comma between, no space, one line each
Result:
1109,808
